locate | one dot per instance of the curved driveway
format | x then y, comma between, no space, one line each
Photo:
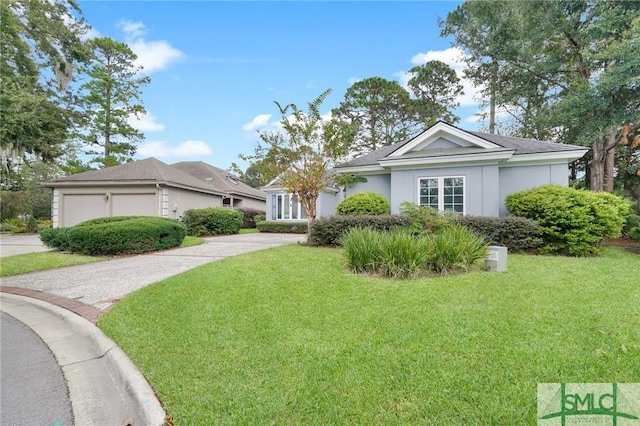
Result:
103,283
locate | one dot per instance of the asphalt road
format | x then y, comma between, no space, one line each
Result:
32,388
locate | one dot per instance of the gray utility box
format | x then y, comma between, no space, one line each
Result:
495,259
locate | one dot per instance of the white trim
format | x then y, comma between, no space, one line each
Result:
448,159
555,157
441,191
446,131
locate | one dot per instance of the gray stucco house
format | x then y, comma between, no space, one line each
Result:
147,188
449,168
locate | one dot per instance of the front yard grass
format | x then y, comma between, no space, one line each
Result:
32,262
288,336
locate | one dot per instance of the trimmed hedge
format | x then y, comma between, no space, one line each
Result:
328,231
517,233
55,238
249,216
282,227
362,203
573,222
212,221
130,235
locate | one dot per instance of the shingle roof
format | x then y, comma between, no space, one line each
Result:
520,145
219,179
525,146
144,171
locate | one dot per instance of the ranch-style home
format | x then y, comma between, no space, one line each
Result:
444,167
148,188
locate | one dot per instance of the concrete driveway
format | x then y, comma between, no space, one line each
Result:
104,283
12,244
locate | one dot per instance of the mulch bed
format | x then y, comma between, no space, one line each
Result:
630,245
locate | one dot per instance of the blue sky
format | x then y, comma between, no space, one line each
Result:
217,67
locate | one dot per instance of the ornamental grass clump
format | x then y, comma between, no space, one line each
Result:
398,253
454,247
403,255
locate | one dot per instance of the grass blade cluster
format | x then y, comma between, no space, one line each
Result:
400,254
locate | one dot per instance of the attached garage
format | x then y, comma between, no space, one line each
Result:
142,188
77,208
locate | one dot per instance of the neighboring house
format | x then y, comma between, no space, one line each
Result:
147,187
283,206
238,193
447,168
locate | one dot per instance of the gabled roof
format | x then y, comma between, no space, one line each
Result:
476,144
219,179
148,171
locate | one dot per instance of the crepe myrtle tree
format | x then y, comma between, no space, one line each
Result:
306,148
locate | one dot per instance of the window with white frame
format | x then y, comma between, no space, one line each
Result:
287,207
442,193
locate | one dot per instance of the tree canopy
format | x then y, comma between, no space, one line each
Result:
111,95
40,47
570,77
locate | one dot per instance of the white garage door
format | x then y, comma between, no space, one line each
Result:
134,205
80,207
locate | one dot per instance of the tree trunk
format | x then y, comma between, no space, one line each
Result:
600,152
609,162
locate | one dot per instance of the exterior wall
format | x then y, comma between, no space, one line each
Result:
375,183
75,205
249,203
327,202
481,191
180,200
514,179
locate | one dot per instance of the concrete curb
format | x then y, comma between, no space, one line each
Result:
105,387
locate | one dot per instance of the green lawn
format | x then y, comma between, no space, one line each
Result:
31,262
288,336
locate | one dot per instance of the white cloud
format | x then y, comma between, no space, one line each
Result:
152,55
454,57
353,80
145,123
187,149
131,28
258,122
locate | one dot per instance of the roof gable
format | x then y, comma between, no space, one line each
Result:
443,136
444,143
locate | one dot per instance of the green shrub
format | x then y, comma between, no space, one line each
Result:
361,203
362,249
212,221
454,247
55,238
131,236
31,225
402,254
426,219
106,219
249,217
517,233
259,218
631,227
395,253
573,222
282,227
18,226
328,231
7,227
398,253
